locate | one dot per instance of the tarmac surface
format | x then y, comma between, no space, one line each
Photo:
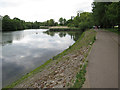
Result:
102,71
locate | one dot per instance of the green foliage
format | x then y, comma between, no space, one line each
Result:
17,24
12,24
83,26
80,77
82,21
112,13
62,21
106,14
35,25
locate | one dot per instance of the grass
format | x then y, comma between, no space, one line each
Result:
85,39
115,30
80,77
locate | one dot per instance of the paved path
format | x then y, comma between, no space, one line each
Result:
103,61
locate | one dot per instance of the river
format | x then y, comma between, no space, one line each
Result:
23,51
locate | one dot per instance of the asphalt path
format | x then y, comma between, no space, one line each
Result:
103,61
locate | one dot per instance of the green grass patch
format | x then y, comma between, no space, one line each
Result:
80,77
115,30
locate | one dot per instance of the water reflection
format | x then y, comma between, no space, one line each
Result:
74,34
23,51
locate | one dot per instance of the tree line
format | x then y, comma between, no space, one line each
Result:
107,14
104,14
15,24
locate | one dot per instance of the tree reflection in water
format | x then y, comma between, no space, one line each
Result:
74,34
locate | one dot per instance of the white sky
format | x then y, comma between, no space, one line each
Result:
42,10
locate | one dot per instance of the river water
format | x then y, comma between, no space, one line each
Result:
23,51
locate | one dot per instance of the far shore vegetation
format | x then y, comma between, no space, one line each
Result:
103,15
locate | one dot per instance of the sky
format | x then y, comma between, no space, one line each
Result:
42,10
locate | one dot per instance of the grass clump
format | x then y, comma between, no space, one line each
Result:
80,77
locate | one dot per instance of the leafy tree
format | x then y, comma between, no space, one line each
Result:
100,18
6,23
113,12
0,22
35,25
51,22
70,23
64,21
28,25
61,21
83,21
106,14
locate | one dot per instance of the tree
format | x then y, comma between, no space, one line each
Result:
106,14
64,21
51,22
83,21
1,23
35,25
17,24
61,21
6,23
100,15
113,13
69,23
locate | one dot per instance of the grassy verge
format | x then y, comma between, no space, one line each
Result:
80,77
87,38
115,30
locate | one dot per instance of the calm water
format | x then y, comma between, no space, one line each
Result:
23,51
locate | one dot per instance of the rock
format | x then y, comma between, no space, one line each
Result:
36,84
45,83
60,80
75,58
81,58
58,86
53,81
90,43
56,71
62,74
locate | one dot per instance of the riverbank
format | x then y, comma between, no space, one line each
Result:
61,70
63,28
